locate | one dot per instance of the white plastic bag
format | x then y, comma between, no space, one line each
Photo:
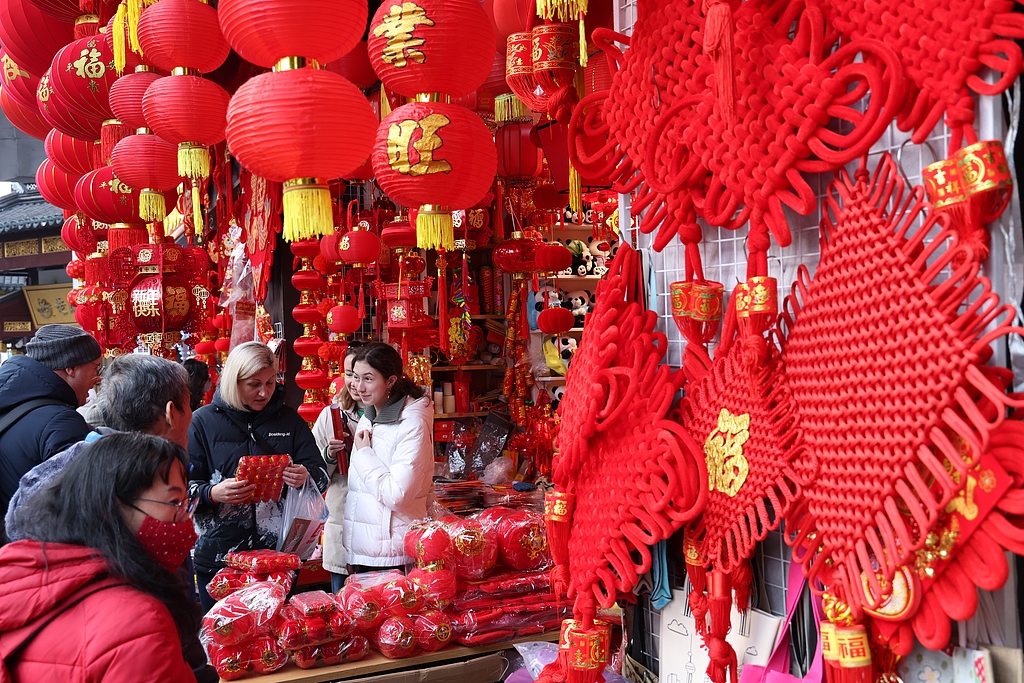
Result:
305,514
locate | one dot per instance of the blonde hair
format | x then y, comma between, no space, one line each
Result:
244,361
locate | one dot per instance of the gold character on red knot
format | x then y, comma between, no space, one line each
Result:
398,26
411,146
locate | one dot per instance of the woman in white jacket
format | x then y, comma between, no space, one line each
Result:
392,465
336,447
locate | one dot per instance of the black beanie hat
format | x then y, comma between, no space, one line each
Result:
63,346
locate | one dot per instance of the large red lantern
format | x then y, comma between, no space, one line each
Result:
359,248
103,197
62,10
518,157
30,36
285,126
160,302
56,186
149,164
17,81
431,46
182,34
434,154
126,96
70,154
265,31
57,113
28,121
356,67
81,75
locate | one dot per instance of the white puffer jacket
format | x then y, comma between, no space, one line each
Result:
335,555
390,485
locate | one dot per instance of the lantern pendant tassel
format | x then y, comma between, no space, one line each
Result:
557,516
830,652
193,161
575,190
134,15
854,654
152,207
583,42
698,575
434,229
723,657
308,211
197,209
118,38
718,45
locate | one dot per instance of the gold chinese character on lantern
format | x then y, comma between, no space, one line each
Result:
723,450
11,70
412,154
145,303
176,301
89,65
398,27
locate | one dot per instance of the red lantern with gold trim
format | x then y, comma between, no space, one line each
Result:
518,157
344,319
149,164
17,81
56,186
160,302
28,121
182,34
126,96
81,75
62,10
71,155
356,67
359,248
59,115
103,197
30,36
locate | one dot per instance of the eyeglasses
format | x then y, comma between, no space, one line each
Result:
184,509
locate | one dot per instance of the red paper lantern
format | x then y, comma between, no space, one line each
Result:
397,636
344,319
71,155
30,36
553,258
285,126
517,254
62,10
359,248
427,542
182,33
184,109
512,16
126,96
56,186
58,115
547,198
159,302
17,81
75,269
28,121
401,597
399,234
474,549
522,538
495,83
433,630
149,164
363,605
556,320
356,67
102,196
125,56
433,46
440,585
265,31
518,157
81,75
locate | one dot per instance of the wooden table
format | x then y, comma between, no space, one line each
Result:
375,663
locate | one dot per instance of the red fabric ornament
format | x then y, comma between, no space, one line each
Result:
20,85
433,46
149,164
344,319
102,196
182,33
517,254
75,269
58,115
518,157
81,76
56,186
400,597
522,540
433,630
28,121
396,637
356,67
186,109
552,258
474,549
555,321
30,36
126,97
428,542
265,31
71,155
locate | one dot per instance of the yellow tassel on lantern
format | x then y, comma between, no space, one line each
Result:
385,103
152,207
575,189
197,209
508,107
193,160
583,42
561,10
118,38
434,229
308,211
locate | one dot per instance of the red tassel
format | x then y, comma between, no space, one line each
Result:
558,515
698,583
830,652
443,324
717,34
111,133
742,577
854,654
723,657
588,652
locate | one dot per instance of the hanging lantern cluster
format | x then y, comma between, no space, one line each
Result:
430,153
299,124
310,284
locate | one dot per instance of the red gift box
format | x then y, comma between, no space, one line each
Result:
265,472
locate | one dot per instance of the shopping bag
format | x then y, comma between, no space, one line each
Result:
305,514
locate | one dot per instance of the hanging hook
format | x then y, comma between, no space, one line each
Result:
899,159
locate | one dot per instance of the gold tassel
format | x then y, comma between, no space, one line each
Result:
575,190
508,107
152,207
193,161
307,209
434,229
118,39
583,42
385,103
197,208
134,14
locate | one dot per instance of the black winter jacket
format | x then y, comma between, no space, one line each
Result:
40,433
215,444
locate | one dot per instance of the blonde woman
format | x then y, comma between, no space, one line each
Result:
247,417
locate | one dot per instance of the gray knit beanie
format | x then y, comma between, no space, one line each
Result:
62,346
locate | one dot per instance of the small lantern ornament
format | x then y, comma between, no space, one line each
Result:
149,164
311,378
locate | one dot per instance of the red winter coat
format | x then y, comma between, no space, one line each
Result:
116,635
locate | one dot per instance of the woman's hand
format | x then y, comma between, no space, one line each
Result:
335,447
232,492
295,475
363,437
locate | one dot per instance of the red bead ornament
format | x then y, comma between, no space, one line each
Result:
182,33
433,630
71,155
28,121
30,36
356,67
58,115
265,31
556,320
102,196
149,164
126,96
56,186
285,126
17,81
435,154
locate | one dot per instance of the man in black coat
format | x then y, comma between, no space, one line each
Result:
54,377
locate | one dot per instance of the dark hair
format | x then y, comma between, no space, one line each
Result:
83,507
385,360
198,376
137,388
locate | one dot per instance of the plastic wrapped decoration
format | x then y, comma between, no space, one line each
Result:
401,597
262,561
229,580
243,614
474,548
428,543
296,630
313,603
432,630
396,638
438,586
265,471
365,605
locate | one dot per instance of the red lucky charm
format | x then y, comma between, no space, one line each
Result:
474,549
433,630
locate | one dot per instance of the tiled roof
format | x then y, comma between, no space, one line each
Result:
25,211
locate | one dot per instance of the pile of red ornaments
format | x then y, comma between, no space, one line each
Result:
229,580
236,632
314,627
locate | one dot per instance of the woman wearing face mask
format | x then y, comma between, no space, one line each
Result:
91,594
389,479
333,431
247,417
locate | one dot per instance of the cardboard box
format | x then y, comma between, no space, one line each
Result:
485,669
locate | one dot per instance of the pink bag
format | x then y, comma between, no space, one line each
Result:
777,668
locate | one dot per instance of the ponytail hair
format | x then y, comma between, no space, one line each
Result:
385,360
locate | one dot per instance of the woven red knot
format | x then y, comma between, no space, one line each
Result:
882,356
941,49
